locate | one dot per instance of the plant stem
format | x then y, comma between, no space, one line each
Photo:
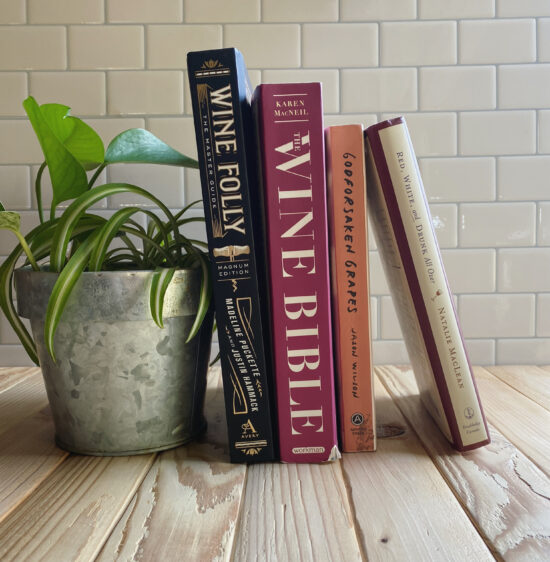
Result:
96,175
27,250
38,191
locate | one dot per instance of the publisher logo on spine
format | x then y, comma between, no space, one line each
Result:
307,450
357,418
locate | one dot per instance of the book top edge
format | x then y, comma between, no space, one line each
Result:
288,86
384,125
209,52
349,126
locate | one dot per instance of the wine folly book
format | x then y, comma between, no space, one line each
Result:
348,238
221,92
423,301
291,141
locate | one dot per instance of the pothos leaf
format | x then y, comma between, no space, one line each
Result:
78,137
67,174
141,146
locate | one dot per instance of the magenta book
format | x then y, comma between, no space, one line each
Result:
289,119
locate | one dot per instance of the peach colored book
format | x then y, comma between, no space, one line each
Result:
350,286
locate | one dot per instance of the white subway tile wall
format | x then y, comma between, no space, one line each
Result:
472,79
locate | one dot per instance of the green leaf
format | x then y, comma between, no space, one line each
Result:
74,212
78,137
107,234
40,241
63,287
6,291
141,146
187,207
10,220
6,304
205,297
159,284
67,174
111,229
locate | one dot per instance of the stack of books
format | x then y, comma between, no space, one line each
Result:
286,204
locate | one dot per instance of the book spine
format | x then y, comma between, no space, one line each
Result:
347,211
415,270
290,124
220,94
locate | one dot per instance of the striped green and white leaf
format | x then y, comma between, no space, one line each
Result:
80,205
63,287
205,296
159,284
10,220
6,290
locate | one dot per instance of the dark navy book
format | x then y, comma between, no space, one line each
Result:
221,94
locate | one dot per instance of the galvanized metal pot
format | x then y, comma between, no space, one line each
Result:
121,384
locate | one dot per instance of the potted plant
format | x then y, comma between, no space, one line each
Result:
120,313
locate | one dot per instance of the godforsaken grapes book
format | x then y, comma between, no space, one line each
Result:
348,239
290,128
221,93
423,301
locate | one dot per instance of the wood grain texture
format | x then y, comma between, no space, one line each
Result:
505,494
403,505
9,376
521,420
296,512
414,499
20,400
73,511
530,380
188,505
29,453
29,456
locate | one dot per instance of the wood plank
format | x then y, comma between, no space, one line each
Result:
21,400
188,506
71,514
530,380
29,456
296,512
505,494
10,376
404,507
518,418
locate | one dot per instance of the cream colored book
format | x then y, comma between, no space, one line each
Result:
423,301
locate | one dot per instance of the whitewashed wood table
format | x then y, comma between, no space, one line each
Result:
414,499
